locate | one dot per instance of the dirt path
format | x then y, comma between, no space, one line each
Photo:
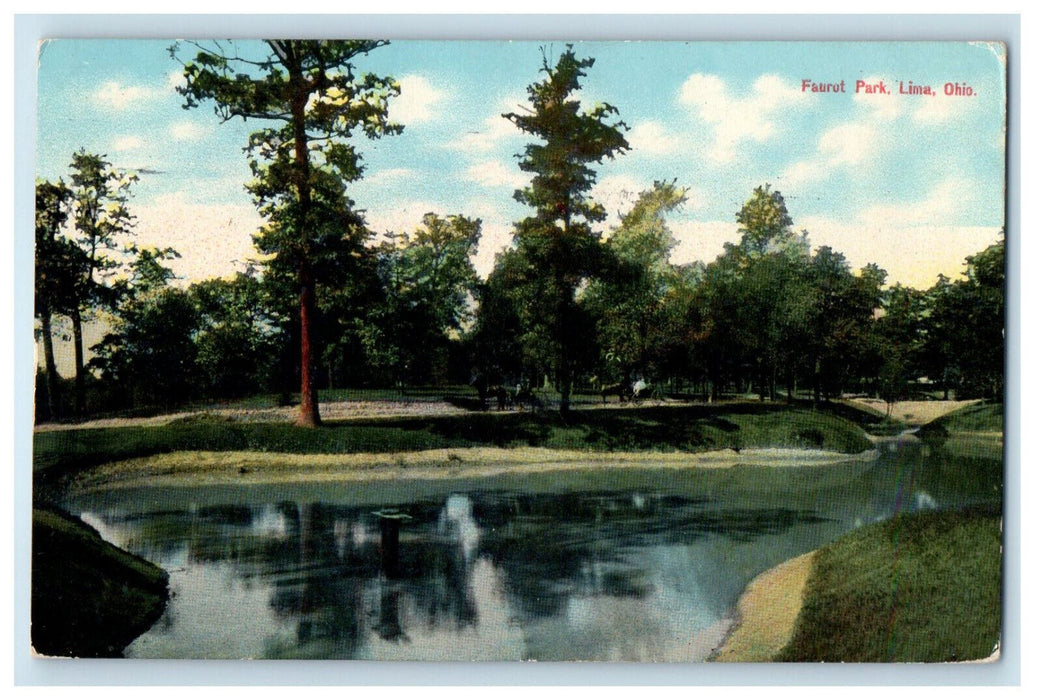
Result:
916,412
332,411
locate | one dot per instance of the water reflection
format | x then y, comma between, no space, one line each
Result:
640,573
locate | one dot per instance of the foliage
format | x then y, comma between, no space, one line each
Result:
427,281
900,338
629,300
148,356
557,246
58,262
100,195
311,91
238,342
967,327
758,296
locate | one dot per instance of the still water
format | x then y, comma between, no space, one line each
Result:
611,565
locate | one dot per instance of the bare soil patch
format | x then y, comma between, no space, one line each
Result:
767,613
915,412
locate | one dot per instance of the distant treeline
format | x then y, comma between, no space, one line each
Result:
568,306
767,317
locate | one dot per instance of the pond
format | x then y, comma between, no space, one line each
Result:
609,565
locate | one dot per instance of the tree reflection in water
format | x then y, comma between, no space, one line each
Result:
340,574
633,574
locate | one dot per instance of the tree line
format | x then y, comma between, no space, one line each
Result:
567,306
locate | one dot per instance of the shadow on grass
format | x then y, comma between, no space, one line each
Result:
735,426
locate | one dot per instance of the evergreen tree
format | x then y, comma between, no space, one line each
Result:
557,243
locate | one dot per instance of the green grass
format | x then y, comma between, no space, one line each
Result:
980,417
922,587
973,431
89,598
654,428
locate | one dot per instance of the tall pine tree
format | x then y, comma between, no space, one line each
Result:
557,242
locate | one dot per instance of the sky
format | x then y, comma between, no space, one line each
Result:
911,182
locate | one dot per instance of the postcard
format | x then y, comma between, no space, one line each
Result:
649,351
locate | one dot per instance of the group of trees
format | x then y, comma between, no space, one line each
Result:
565,305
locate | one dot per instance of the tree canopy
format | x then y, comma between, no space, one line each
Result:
312,93
557,243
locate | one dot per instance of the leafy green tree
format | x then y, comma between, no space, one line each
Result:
559,247
764,221
58,262
102,220
629,299
312,94
900,334
844,307
428,281
238,340
496,339
756,297
148,356
966,328
677,336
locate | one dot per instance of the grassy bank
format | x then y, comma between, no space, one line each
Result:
89,599
655,428
922,587
973,431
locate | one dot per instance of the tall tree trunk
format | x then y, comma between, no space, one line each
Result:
54,403
77,339
566,391
309,416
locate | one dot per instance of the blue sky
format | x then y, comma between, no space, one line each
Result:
913,183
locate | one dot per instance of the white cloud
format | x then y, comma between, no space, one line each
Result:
115,95
127,143
497,233
187,131
944,203
701,240
494,130
911,253
913,241
389,175
213,240
175,79
417,101
923,109
402,218
848,145
652,138
737,120
882,106
617,194
493,173
940,108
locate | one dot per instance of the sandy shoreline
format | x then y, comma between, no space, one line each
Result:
767,612
213,468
